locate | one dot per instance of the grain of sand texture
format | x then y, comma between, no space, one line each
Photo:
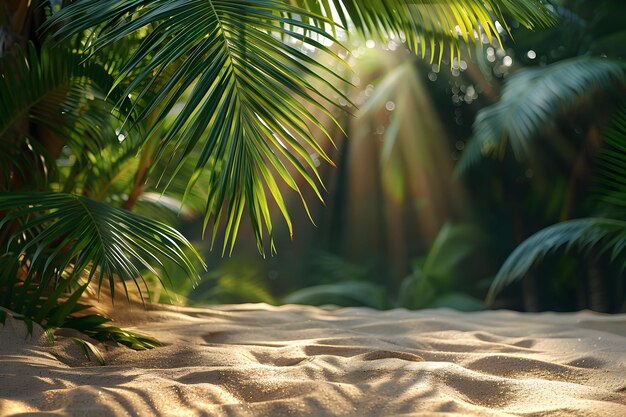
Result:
258,360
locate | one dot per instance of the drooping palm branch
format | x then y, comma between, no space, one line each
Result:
245,109
580,234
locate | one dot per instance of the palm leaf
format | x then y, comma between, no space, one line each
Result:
611,191
245,114
431,26
530,101
30,164
345,294
53,88
63,238
89,350
607,234
96,327
583,234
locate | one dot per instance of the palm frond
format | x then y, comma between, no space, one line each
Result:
530,101
54,89
432,26
612,165
345,294
65,239
236,281
246,113
28,164
604,233
583,234
96,327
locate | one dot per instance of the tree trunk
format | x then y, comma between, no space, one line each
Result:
529,289
598,289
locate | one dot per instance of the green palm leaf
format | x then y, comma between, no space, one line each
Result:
62,238
55,89
432,25
583,234
346,294
246,113
531,99
612,170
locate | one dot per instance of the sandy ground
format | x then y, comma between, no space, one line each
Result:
258,360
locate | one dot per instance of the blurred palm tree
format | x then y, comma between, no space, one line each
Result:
104,102
397,173
564,87
603,235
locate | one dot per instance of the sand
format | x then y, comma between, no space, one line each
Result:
259,360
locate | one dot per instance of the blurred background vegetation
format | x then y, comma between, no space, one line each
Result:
448,168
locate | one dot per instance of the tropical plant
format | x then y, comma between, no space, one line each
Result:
437,279
104,102
237,280
603,234
561,85
557,77
530,102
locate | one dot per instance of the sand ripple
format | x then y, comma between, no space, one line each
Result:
258,360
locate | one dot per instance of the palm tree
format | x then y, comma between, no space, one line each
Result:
561,67
571,81
208,101
604,233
